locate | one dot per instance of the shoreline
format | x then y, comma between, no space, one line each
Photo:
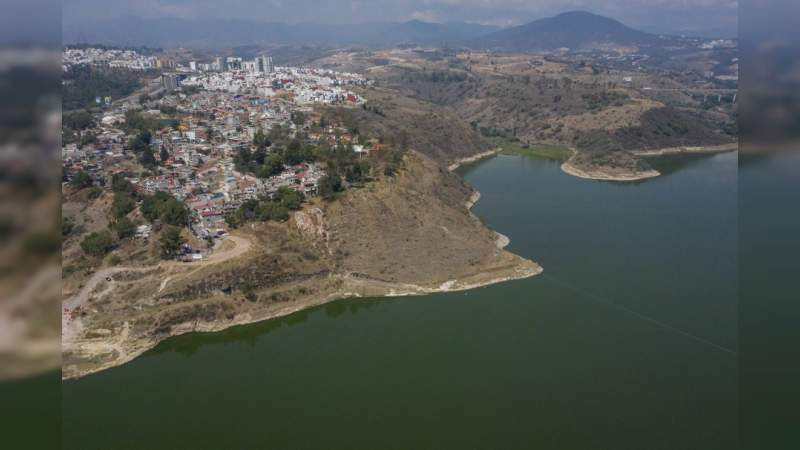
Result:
515,267
353,288
459,162
602,175
599,175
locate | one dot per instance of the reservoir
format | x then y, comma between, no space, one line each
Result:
628,340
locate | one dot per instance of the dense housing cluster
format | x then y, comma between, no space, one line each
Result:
220,149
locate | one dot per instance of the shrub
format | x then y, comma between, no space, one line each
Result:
124,228
122,205
97,244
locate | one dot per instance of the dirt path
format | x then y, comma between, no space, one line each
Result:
71,327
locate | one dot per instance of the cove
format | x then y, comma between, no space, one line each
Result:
628,340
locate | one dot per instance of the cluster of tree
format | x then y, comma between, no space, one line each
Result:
122,205
74,128
84,83
140,144
161,206
80,120
277,208
98,243
342,162
164,207
268,159
124,202
171,241
135,121
329,185
81,180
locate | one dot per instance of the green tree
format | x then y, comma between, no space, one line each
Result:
119,183
171,241
81,180
298,118
164,155
174,212
289,198
273,165
164,206
260,140
97,244
146,158
329,185
124,228
122,205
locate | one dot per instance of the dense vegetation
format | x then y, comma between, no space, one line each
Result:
84,83
171,241
274,152
275,208
98,244
164,207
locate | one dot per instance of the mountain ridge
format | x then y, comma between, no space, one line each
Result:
573,29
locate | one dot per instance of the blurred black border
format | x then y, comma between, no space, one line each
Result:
768,221
30,111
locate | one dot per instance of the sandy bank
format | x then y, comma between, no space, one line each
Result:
459,162
604,174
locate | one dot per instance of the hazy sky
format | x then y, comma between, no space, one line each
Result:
676,14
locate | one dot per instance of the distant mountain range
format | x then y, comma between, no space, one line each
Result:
173,32
576,29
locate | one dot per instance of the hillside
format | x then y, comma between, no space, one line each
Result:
574,30
410,233
431,129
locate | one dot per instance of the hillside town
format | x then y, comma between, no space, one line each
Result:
115,58
207,141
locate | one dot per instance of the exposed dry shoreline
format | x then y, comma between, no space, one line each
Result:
603,174
613,174
352,287
459,162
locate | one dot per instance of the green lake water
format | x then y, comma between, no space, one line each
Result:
628,340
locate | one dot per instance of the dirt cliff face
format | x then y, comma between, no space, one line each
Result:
410,233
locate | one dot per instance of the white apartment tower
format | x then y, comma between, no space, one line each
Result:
264,64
